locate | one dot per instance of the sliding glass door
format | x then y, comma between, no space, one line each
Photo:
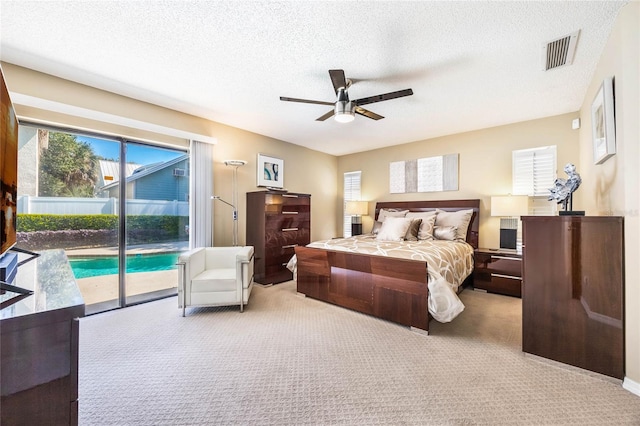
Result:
157,220
70,187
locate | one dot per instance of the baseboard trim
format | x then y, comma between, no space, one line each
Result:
631,386
563,366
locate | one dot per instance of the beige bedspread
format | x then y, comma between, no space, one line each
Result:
448,262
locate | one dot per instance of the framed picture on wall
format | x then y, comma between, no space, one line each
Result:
270,171
603,126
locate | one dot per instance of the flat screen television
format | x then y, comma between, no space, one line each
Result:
8,170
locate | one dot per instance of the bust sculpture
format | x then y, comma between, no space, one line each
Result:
563,188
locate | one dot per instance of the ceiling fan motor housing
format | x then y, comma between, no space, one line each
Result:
344,109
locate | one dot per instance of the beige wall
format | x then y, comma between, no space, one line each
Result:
305,171
86,108
613,188
484,164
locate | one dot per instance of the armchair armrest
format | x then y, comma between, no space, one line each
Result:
244,254
194,262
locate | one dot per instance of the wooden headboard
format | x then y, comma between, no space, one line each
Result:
447,205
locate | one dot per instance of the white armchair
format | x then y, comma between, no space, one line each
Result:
215,276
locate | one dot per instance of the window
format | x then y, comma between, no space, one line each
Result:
351,193
534,171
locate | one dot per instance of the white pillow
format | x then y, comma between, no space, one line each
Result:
426,227
393,229
459,219
385,213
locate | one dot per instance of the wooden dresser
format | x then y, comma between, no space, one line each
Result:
573,291
277,222
39,345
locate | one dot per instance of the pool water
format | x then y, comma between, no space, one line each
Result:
85,267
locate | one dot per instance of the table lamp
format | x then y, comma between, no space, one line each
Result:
509,208
356,209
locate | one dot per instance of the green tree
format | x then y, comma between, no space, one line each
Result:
67,167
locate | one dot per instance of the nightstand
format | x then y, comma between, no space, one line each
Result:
498,271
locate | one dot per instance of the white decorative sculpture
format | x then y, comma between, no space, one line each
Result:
562,191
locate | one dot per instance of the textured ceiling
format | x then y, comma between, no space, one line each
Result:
471,65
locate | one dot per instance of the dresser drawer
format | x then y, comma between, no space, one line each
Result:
505,265
498,273
276,240
280,222
499,264
506,284
286,204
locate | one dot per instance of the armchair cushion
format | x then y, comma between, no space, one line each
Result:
214,280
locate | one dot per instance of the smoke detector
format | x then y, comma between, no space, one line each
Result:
559,52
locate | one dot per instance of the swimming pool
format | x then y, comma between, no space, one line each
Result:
85,267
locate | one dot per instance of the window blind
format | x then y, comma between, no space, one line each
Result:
351,193
534,171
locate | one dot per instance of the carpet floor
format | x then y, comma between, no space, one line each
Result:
290,360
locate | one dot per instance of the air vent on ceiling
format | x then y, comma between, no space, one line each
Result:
558,53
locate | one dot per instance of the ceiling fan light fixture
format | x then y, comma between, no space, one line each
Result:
344,112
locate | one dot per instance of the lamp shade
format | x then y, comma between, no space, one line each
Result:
357,207
509,205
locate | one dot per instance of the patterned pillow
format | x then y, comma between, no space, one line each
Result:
414,228
393,229
426,227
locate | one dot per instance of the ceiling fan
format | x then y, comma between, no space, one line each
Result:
344,110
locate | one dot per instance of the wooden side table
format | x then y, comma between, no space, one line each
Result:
498,271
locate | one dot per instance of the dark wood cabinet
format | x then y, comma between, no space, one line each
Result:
276,223
573,291
498,271
39,345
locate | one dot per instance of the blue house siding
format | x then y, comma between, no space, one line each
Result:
163,185
156,182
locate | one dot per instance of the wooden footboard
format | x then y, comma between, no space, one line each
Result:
388,288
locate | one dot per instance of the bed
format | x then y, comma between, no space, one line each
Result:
382,281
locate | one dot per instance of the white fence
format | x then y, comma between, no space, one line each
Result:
76,205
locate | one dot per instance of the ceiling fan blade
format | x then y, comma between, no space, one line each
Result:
305,101
338,79
325,116
384,97
368,114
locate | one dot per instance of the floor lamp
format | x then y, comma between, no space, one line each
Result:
234,200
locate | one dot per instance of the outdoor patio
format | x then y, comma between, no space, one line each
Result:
105,287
